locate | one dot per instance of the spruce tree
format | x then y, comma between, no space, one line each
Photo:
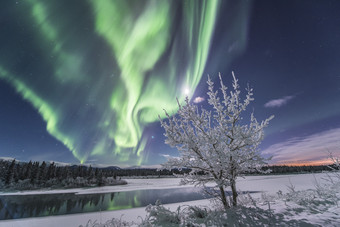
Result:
10,173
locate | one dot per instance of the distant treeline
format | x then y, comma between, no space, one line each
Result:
147,172
283,169
33,175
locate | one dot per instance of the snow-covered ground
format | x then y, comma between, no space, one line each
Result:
269,184
133,184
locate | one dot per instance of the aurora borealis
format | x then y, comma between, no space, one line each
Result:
103,108
99,73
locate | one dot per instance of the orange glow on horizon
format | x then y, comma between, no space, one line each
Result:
304,163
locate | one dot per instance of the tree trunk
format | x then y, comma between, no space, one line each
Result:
224,198
233,190
233,181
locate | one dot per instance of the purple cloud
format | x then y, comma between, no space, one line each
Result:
198,99
278,102
307,149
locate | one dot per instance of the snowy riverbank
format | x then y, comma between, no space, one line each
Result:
270,184
266,183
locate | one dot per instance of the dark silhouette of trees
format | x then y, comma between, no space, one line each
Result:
28,171
42,172
10,173
33,175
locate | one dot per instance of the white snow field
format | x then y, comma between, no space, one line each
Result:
269,184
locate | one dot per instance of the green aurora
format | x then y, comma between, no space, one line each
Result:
99,72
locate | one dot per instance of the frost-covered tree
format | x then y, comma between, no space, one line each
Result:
216,145
10,173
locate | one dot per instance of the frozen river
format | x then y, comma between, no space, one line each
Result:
36,205
123,199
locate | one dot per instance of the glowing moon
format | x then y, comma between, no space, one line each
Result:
186,91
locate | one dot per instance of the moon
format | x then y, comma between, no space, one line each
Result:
186,91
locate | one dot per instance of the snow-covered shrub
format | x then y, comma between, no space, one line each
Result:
112,181
52,182
319,205
114,222
216,145
23,184
245,199
327,191
158,215
334,177
92,181
68,182
80,181
197,212
303,198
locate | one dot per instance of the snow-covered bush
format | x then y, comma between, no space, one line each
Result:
80,181
92,181
315,207
52,182
217,147
110,180
114,222
158,215
334,178
319,205
69,182
23,184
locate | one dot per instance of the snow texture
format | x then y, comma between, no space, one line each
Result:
271,184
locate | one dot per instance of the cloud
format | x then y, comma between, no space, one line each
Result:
308,149
279,102
168,156
7,158
156,166
165,155
198,99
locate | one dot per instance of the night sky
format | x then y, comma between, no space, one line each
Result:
85,81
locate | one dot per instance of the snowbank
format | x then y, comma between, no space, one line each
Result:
269,184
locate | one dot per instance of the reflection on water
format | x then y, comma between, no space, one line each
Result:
23,206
